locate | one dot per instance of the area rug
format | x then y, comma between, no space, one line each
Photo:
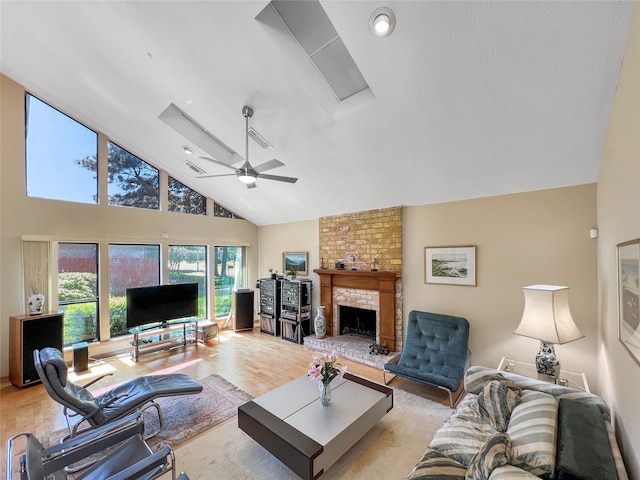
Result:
388,451
186,416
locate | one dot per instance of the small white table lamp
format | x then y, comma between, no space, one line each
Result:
547,318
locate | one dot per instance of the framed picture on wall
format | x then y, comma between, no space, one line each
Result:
628,255
296,261
450,265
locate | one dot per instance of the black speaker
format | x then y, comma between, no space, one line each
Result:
80,357
38,331
243,319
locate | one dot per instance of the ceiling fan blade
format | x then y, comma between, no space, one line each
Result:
273,163
278,178
221,175
217,162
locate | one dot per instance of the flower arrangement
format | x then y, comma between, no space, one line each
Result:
325,368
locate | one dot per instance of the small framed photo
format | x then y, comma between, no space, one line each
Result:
628,256
296,261
450,265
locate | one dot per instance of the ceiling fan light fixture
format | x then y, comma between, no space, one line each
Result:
382,22
246,176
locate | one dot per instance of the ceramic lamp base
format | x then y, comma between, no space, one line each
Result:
546,361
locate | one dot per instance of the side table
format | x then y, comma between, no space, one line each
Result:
575,380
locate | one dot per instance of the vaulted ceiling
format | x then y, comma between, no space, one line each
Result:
465,99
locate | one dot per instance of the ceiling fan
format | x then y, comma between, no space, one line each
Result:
246,173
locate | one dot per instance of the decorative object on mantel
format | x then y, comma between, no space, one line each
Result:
374,260
324,369
322,266
36,302
274,273
547,318
339,265
320,323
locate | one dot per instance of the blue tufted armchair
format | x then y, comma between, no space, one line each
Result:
435,352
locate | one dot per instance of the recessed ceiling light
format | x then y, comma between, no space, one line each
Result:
382,22
187,150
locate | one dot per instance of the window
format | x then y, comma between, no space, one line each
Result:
132,182
220,211
229,275
129,266
188,264
185,200
78,290
60,155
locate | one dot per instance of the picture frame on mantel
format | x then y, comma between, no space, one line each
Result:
628,260
450,265
296,261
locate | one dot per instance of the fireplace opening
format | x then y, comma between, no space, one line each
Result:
358,321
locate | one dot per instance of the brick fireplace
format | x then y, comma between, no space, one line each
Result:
372,290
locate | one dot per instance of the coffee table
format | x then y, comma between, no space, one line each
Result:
308,438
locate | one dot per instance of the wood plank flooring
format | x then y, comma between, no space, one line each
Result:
251,360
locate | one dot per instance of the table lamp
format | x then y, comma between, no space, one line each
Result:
547,318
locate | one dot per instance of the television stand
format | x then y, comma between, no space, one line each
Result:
142,344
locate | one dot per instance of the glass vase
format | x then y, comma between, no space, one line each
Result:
325,394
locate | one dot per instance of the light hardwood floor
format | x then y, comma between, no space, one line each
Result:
251,360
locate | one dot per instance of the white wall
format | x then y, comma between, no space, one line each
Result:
67,221
619,221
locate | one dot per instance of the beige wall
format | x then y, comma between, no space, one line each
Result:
78,222
619,221
273,240
522,239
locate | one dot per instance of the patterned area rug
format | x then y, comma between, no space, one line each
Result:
188,415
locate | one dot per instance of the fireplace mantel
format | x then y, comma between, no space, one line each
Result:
383,281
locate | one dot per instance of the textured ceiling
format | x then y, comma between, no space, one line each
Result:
471,99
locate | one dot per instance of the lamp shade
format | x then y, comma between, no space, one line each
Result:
546,315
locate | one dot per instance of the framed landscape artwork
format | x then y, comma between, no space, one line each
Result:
296,261
628,254
450,265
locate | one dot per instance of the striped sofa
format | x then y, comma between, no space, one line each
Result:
513,427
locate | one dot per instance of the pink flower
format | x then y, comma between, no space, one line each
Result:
325,368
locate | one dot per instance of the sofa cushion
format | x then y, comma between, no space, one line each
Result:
464,433
494,453
509,472
496,402
436,466
533,428
584,452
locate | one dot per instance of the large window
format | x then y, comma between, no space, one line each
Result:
132,182
78,290
185,200
188,264
60,155
129,266
229,275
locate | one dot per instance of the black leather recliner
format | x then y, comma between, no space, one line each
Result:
120,447
136,394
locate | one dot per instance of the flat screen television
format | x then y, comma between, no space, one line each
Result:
161,303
